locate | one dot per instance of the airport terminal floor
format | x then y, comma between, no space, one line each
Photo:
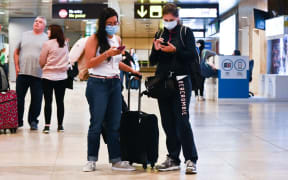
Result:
236,141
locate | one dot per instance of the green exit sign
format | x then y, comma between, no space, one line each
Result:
150,11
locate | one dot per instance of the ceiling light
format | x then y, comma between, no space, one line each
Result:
1,12
244,17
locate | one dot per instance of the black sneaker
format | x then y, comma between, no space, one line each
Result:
46,129
34,126
168,165
60,129
191,167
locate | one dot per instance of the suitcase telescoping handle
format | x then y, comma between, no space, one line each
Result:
139,93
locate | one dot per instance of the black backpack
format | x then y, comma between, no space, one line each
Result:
4,83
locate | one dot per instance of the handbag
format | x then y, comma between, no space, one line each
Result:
159,87
71,73
207,71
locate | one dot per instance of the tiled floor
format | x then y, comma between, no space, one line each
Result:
236,141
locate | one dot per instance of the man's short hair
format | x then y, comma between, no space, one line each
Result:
44,19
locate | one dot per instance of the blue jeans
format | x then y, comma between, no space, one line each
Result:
124,75
104,99
174,113
24,82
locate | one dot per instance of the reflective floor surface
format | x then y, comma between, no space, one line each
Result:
236,141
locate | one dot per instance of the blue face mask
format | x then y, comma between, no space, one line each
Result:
111,30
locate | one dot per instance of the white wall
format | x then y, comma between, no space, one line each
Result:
16,27
228,35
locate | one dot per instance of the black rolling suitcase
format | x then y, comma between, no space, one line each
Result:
139,135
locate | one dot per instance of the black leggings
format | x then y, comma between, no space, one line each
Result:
59,89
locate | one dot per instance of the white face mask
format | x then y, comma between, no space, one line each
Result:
170,25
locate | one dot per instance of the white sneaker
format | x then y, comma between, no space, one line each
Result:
90,166
201,98
168,165
191,167
122,166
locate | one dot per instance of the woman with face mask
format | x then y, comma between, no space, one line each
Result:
171,56
103,92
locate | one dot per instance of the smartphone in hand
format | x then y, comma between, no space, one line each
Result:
121,48
164,43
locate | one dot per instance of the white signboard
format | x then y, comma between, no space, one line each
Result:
143,54
276,27
234,67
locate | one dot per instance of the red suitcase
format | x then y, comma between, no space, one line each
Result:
8,111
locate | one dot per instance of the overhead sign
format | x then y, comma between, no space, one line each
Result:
148,11
77,11
234,67
153,9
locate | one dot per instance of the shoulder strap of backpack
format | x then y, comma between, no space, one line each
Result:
159,33
181,36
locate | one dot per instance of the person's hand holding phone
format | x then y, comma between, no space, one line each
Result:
167,47
121,48
113,51
164,43
157,43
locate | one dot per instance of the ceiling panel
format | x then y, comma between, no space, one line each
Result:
130,27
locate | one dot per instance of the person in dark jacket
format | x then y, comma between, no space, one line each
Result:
176,59
128,60
204,54
201,45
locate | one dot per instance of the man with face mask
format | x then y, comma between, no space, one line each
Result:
28,71
174,52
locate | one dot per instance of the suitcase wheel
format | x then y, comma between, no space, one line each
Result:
4,131
130,162
145,166
152,165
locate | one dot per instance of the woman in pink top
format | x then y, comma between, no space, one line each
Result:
54,63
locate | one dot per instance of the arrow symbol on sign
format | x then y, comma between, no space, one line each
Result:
142,12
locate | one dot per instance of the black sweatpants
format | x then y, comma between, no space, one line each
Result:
59,88
174,113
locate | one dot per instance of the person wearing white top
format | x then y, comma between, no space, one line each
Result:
135,65
103,92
